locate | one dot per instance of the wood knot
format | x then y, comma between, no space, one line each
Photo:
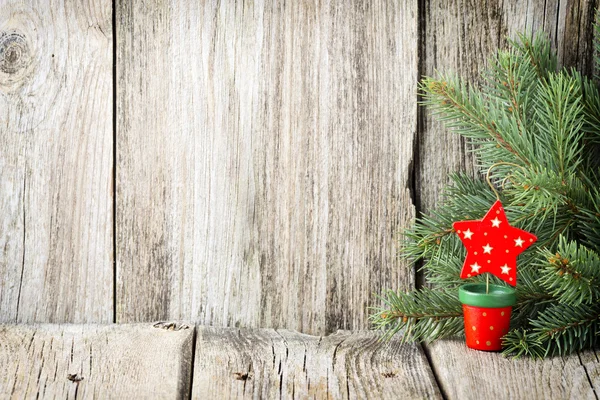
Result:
170,326
14,53
242,376
74,377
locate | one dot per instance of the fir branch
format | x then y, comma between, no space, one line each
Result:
509,85
466,111
560,329
541,192
443,268
589,221
532,298
547,122
424,315
539,53
559,116
591,107
572,274
565,328
468,198
520,342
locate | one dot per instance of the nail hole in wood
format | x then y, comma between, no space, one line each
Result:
74,377
242,376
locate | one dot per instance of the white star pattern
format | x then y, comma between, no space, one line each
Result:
475,268
519,242
495,222
487,249
468,234
505,268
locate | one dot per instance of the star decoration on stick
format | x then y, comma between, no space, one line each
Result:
492,245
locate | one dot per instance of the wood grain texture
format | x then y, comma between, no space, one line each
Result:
56,161
463,373
264,159
460,36
590,361
95,361
246,363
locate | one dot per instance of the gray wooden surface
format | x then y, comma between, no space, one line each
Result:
264,160
56,156
266,154
246,363
468,374
590,361
171,360
95,361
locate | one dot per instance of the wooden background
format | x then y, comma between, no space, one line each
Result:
231,163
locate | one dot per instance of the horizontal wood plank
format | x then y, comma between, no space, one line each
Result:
95,361
246,363
590,360
469,374
155,361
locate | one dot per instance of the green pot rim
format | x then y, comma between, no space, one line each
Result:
473,294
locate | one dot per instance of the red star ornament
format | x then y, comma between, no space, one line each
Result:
492,245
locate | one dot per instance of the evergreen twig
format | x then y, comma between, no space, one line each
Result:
540,129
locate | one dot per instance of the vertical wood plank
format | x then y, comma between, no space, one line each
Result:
264,159
460,36
56,161
139,361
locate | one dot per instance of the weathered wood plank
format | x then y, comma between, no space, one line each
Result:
264,159
463,373
460,36
95,361
590,360
56,261
245,363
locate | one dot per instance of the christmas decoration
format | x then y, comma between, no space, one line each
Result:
487,310
537,129
493,245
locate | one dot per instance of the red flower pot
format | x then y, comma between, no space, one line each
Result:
487,315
